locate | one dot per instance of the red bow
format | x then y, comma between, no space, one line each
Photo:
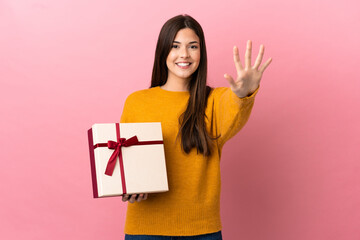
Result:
117,146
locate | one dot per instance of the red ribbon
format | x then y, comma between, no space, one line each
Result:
121,142
117,146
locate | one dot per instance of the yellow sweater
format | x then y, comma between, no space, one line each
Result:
192,204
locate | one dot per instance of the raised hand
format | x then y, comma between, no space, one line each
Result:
248,77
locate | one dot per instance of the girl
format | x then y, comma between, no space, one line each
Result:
196,122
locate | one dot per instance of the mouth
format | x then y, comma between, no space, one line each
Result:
183,65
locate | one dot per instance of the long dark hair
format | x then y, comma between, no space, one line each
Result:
192,121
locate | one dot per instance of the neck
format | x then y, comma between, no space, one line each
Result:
176,85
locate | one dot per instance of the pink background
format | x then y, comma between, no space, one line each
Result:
291,173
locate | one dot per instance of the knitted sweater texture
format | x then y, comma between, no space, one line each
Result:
192,204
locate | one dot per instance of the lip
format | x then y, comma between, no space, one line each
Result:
184,67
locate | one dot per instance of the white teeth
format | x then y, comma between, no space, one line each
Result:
183,64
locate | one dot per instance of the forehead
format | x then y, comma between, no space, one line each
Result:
186,35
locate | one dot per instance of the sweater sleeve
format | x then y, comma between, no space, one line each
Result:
126,113
231,112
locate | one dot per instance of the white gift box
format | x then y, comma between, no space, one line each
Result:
139,168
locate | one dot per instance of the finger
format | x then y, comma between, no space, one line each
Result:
229,79
237,61
248,55
141,196
265,65
146,196
259,57
132,199
137,197
125,197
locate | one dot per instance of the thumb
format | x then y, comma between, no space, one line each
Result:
229,79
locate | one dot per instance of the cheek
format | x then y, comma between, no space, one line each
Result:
171,57
169,61
197,57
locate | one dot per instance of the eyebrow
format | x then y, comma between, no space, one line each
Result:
189,42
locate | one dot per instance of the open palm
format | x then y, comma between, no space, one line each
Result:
248,77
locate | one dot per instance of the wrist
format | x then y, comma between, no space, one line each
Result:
241,94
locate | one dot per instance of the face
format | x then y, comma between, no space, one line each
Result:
184,57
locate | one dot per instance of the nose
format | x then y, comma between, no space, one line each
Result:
184,52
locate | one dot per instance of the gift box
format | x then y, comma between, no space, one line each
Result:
127,158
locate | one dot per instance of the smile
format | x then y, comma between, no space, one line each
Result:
183,65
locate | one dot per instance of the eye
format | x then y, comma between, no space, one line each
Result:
174,46
194,47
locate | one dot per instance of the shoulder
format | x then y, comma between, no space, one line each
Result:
218,92
140,95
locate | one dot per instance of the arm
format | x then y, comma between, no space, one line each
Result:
231,113
127,110
235,103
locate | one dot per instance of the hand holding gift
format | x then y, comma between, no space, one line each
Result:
132,198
